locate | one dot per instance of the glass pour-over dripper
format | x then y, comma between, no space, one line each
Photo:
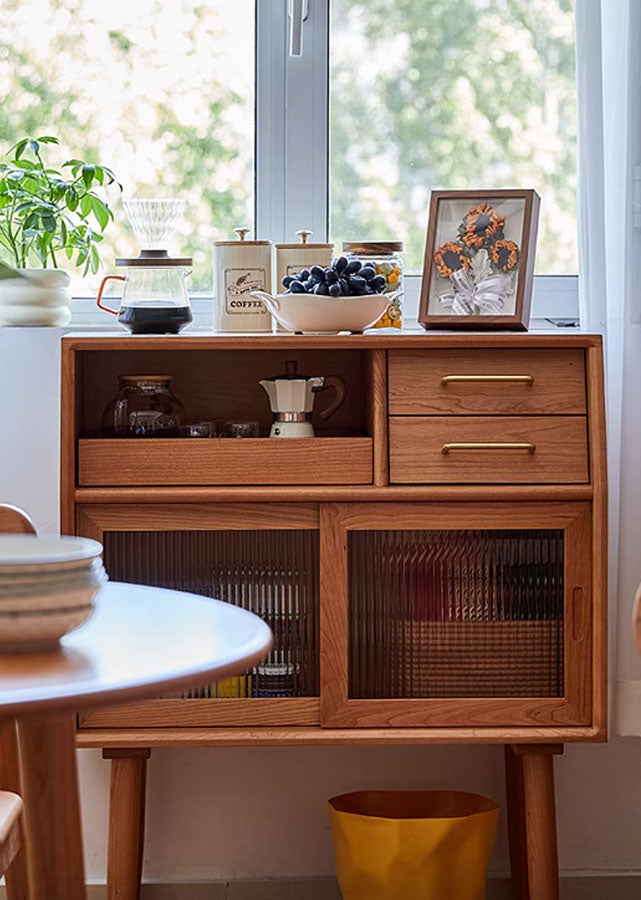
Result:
154,221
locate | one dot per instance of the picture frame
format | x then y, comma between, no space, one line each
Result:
479,260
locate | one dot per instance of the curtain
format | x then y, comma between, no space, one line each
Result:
608,34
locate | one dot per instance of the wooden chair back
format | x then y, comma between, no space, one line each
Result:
10,829
15,521
12,521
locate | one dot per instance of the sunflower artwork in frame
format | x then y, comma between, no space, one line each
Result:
479,259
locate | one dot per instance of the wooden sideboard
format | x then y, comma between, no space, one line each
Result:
433,563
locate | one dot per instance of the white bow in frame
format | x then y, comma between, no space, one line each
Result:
468,298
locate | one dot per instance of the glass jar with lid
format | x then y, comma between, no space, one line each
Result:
386,257
144,407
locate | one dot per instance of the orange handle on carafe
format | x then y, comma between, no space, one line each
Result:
101,289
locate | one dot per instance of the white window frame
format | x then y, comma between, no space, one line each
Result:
292,105
292,156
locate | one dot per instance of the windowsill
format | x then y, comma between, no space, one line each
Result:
555,298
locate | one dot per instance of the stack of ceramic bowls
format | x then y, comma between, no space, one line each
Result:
47,587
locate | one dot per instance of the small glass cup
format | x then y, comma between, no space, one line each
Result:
241,430
198,430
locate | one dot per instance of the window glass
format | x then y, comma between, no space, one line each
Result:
427,94
161,92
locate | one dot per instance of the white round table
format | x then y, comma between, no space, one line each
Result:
140,642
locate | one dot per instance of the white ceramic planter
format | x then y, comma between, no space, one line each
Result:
41,297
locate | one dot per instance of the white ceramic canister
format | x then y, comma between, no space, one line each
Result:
291,258
241,267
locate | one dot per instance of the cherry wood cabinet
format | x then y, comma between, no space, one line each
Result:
432,564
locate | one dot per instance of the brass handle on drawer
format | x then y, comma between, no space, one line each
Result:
519,379
488,445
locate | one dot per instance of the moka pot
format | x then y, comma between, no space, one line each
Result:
291,397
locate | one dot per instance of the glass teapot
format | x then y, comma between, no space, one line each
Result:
155,298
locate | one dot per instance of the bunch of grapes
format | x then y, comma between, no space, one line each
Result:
342,279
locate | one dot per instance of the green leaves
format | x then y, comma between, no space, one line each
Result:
101,211
43,211
88,173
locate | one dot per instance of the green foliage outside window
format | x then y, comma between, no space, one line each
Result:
429,94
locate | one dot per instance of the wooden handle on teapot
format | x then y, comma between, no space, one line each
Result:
340,387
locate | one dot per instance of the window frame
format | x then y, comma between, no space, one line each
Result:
292,162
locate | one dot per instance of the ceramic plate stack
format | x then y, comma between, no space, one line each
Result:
47,587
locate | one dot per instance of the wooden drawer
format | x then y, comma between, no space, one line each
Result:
246,461
423,450
486,382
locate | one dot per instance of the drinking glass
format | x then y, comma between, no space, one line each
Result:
241,430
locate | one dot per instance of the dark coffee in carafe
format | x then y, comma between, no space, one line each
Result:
155,319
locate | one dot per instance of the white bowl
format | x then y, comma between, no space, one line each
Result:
47,588
318,314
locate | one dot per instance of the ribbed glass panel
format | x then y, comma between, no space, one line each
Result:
272,573
455,614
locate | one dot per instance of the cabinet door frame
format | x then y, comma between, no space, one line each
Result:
574,708
93,520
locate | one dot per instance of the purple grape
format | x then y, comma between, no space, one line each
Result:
379,282
340,264
367,272
317,273
352,267
334,289
330,276
297,288
287,280
357,284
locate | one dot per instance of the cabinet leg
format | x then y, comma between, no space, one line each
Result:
537,762
126,822
16,875
516,823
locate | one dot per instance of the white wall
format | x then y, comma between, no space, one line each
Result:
238,813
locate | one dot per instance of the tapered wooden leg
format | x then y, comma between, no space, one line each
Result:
126,822
16,875
516,823
47,747
540,819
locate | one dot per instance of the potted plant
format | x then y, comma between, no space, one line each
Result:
47,214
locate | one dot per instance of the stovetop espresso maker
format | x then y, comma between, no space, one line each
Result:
291,397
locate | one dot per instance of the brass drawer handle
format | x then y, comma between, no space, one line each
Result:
488,445
519,379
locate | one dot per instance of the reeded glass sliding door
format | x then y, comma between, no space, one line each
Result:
456,614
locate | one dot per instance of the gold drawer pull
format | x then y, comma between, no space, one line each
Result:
519,379
488,445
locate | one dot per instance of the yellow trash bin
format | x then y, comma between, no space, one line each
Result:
412,845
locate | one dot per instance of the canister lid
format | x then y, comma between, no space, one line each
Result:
304,246
155,259
242,233
372,247
244,244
